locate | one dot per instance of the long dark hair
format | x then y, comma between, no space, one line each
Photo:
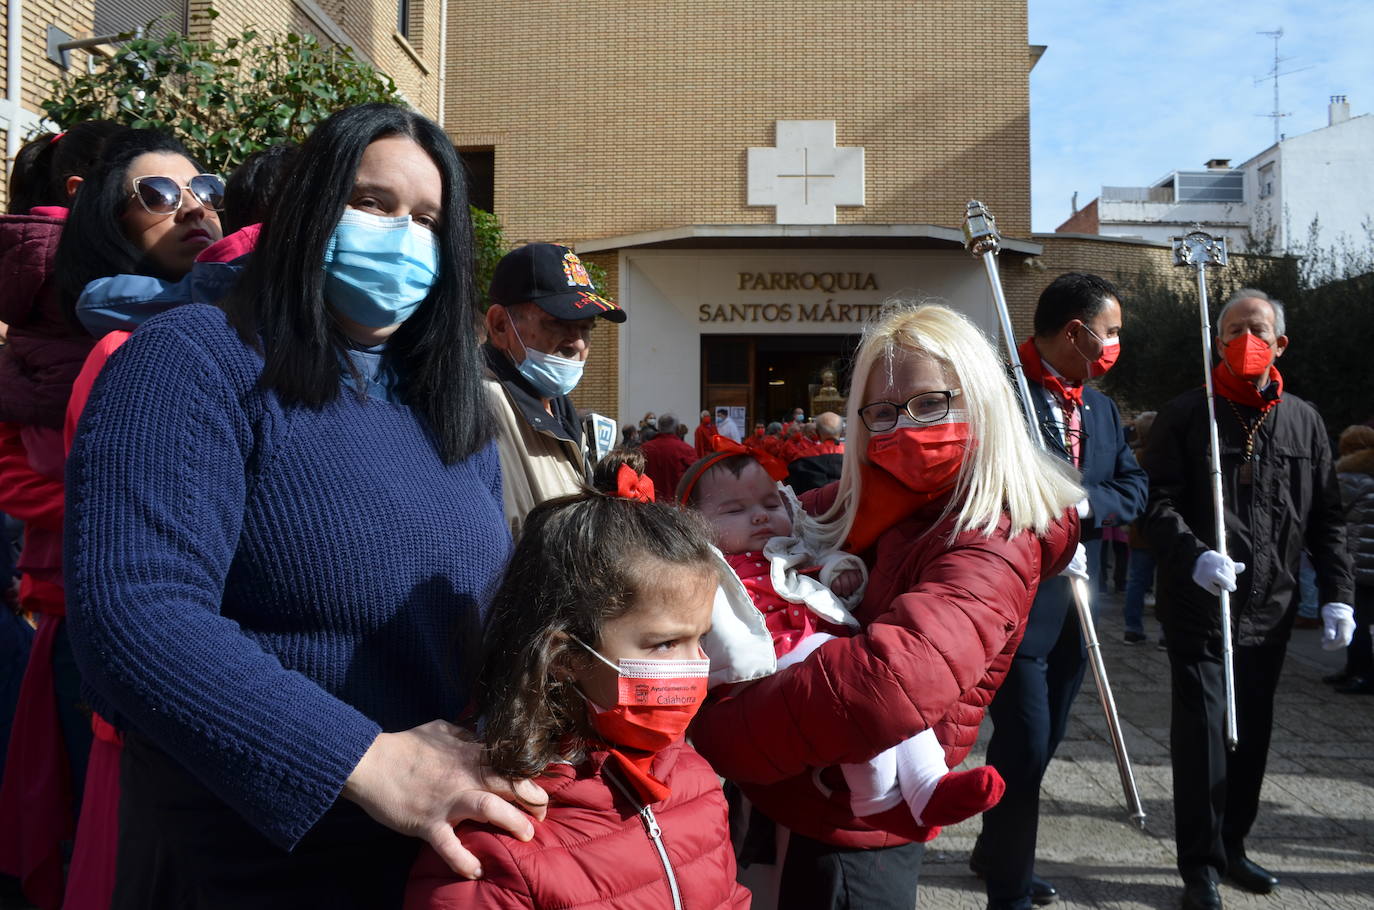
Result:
580,562
279,302
93,243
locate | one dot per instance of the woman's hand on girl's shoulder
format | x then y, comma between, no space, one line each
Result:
425,780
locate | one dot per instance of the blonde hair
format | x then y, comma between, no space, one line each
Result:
1004,472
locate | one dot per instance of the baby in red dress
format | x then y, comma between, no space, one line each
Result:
804,600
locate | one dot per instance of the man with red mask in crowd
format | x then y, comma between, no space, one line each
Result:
1281,496
1077,329
755,440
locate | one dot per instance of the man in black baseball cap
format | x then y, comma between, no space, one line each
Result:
539,330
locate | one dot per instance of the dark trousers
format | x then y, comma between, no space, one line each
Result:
180,846
1216,792
1029,714
821,876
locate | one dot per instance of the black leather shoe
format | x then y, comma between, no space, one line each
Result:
1357,685
1201,896
1249,876
1041,891
1336,679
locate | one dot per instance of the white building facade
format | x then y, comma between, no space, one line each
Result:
1324,178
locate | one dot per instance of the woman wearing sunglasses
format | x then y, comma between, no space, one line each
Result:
959,519
146,220
51,732
146,210
289,513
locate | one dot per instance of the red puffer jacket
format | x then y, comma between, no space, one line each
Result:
941,621
593,849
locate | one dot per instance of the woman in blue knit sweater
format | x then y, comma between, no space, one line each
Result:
284,519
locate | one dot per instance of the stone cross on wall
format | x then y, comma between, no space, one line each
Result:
805,176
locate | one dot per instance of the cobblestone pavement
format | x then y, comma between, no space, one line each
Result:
1316,824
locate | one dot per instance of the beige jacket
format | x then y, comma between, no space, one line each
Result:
535,464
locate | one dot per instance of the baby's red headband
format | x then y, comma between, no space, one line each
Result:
724,447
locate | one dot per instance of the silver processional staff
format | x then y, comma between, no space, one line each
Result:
982,240
1198,249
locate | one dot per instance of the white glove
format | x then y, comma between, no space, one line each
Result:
1339,622
1215,573
1078,566
1083,507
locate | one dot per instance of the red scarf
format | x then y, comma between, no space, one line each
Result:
1242,391
1036,372
883,501
634,765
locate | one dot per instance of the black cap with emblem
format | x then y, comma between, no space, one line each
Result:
552,277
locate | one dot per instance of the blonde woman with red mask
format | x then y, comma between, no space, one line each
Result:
958,518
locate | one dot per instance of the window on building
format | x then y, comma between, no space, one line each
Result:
410,19
1209,186
1266,180
480,164
114,17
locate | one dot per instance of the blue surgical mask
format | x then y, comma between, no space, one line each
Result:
378,269
550,374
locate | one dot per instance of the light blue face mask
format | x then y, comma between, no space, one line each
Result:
550,374
378,269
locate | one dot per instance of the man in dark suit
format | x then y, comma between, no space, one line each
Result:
1281,497
1077,328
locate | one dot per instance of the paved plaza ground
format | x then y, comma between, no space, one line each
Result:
1316,823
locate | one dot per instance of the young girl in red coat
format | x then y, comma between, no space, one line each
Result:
593,669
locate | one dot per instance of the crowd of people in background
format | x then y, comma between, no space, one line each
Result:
314,598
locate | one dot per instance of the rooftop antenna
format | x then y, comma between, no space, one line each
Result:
1274,74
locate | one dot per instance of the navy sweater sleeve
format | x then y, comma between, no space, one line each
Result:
157,484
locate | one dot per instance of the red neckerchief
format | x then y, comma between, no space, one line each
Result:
1034,366
634,764
1230,386
883,501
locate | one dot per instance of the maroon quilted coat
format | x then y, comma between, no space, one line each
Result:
940,621
593,850
45,349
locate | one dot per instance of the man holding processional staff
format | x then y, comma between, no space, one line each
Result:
1077,338
1280,496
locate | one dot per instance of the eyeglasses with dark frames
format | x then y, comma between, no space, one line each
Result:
923,408
163,195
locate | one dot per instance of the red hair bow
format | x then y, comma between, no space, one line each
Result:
776,467
629,484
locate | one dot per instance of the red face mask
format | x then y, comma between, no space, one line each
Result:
924,459
758,431
657,700
1111,349
1248,356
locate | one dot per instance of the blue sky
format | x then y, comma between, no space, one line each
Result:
1128,91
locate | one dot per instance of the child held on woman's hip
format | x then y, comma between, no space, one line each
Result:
804,597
